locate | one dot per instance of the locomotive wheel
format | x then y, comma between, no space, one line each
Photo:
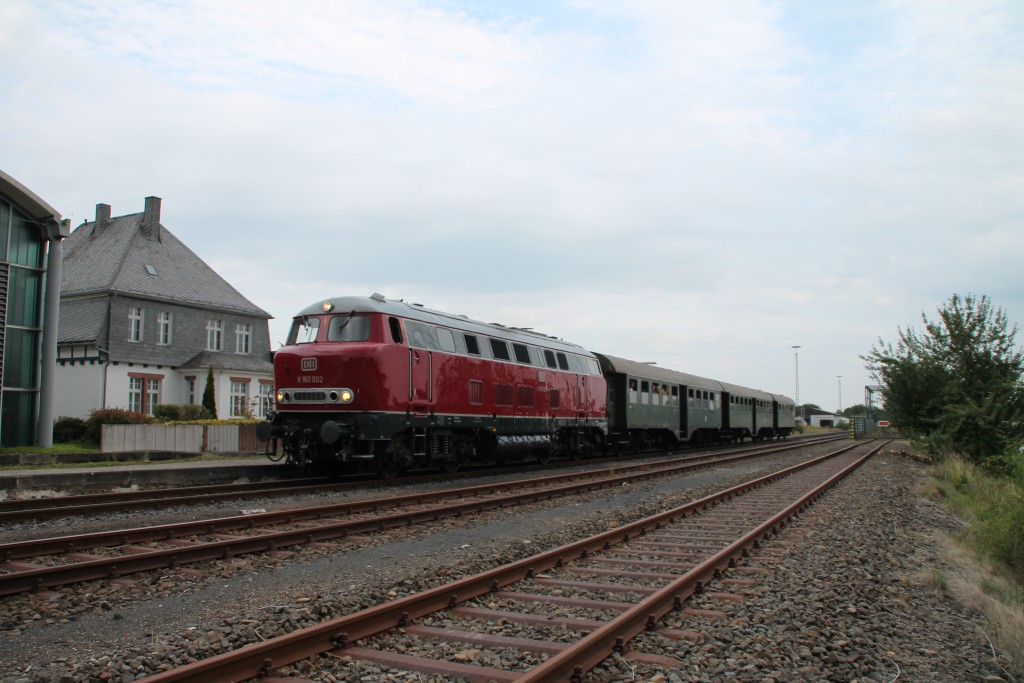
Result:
389,468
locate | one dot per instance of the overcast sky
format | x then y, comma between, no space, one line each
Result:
699,184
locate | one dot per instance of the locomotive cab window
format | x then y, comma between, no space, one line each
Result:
396,330
304,331
522,353
422,336
472,348
349,328
446,339
549,359
563,362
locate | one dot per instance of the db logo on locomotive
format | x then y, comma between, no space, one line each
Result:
308,364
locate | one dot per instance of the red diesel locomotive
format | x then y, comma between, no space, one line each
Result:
395,386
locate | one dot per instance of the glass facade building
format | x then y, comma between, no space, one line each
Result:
26,226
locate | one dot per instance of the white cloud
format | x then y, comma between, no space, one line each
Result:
705,184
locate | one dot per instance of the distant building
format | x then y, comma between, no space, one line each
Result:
143,320
30,274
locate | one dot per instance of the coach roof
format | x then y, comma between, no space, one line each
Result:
653,372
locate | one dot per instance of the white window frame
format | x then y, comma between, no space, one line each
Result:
136,323
152,395
238,401
164,328
214,335
243,338
136,385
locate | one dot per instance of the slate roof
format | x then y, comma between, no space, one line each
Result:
218,360
114,259
82,320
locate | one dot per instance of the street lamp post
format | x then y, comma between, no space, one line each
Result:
796,376
840,378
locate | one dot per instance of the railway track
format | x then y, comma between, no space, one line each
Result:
50,562
33,509
616,585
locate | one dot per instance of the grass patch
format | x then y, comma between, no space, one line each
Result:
57,448
988,555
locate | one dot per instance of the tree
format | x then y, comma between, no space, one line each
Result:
209,399
958,382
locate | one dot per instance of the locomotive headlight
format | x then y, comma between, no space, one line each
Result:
346,396
327,306
283,397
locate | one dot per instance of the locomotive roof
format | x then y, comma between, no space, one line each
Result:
379,304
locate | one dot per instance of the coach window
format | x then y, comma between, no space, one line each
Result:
632,391
446,339
675,396
500,350
396,330
645,393
655,393
472,348
522,353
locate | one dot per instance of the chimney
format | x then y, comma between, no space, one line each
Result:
102,218
151,219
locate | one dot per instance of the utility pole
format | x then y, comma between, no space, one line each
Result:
840,378
796,377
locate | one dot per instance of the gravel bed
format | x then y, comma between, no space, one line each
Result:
859,550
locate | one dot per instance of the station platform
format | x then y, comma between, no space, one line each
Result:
91,477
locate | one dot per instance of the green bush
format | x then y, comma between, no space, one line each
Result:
167,412
194,411
69,429
994,506
187,412
112,416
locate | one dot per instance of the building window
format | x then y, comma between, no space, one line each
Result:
214,335
190,390
152,396
243,338
135,394
163,328
143,393
239,398
135,320
263,404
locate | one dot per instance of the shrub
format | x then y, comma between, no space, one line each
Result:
186,412
194,411
112,416
69,429
167,412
